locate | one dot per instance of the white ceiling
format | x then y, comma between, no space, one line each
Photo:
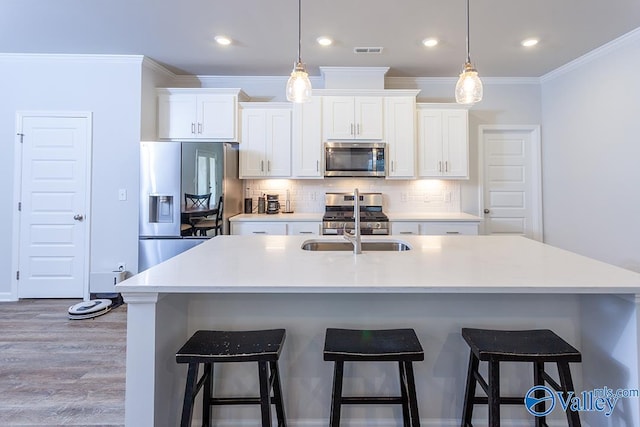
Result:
179,33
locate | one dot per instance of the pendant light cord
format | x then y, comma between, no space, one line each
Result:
468,49
300,30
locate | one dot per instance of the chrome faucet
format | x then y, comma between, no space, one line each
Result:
355,237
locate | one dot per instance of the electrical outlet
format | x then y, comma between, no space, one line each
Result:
122,266
122,194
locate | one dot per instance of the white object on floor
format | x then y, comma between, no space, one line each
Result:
89,309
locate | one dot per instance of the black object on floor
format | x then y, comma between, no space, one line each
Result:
388,345
536,346
211,347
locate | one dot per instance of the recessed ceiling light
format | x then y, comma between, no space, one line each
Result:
223,40
529,42
430,42
324,41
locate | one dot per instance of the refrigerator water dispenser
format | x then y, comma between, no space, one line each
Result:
160,208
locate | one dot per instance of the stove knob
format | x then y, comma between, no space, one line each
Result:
378,225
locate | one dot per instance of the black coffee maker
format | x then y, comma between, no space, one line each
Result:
273,205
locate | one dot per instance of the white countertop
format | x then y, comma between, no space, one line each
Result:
279,217
433,216
435,264
317,216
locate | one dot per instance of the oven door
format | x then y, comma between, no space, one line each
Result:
354,159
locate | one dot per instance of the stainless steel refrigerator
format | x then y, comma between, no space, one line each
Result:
167,171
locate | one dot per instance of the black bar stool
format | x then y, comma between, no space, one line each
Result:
210,347
391,345
536,346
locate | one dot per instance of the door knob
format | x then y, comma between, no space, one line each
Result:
78,217
487,211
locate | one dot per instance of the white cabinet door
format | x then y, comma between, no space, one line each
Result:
304,228
265,150
405,228
258,228
177,116
368,117
449,228
348,117
307,147
337,115
254,141
443,143
217,117
400,113
278,148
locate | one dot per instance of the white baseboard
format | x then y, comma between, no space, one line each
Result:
7,297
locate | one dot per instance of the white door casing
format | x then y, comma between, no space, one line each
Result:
510,180
52,200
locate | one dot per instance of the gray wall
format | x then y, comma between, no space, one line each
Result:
110,88
591,155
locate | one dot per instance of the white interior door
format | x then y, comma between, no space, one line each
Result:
53,199
511,179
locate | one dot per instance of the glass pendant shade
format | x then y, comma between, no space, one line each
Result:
469,86
299,85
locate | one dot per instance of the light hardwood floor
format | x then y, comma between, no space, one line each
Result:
55,371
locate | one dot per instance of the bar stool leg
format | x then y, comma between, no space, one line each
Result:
265,400
494,393
470,390
277,394
187,404
336,395
413,399
207,394
406,417
567,385
538,379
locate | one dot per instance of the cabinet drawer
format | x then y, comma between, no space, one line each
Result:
258,228
405,228
449,228
304,228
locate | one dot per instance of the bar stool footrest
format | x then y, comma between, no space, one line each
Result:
374,400
504,400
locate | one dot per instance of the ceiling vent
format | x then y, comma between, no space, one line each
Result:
367,50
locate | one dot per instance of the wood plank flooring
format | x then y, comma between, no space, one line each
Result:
55,371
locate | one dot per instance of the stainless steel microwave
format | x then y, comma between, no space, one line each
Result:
355,159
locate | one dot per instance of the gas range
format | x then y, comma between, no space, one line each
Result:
338,214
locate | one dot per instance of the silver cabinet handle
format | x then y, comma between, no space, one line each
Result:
259,232
351,131
393,166
446,166
78,217
305,232
268,165
358,129
406,232
199,127
317,165
193,128
452,232
439,166
261,165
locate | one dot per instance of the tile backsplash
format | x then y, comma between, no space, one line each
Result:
307,196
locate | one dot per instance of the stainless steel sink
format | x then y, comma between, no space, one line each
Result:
343,245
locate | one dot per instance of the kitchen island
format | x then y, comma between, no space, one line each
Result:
441,284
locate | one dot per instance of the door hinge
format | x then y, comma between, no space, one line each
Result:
21,135
19,206
18,275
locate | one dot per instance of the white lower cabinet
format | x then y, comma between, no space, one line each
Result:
434,228
250,228
304,228
311,228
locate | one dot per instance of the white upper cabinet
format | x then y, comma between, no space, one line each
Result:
352,117
198,114
443,143
265,148
307,139
400,135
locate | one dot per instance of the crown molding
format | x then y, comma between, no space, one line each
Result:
630,37
152,65
416,82
80,57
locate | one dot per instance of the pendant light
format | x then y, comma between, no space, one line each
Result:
298,85
469,86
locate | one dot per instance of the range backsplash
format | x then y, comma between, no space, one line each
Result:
415,196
